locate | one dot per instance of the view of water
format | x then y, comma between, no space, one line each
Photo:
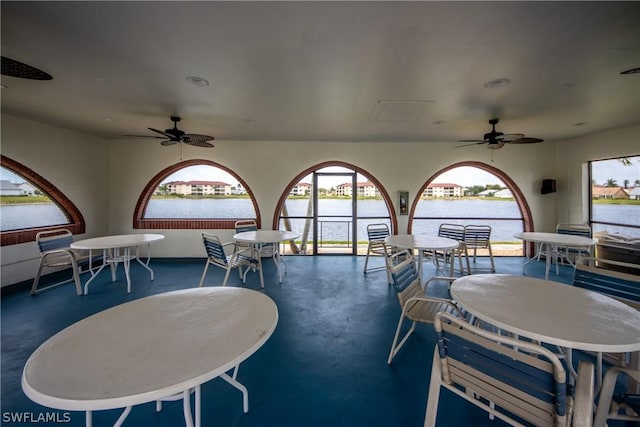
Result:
15,217
333,226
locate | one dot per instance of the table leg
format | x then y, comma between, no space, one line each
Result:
94,275
122,416
420,261
186,407
198,406
145,264
87,419
549,249
236,384
127,267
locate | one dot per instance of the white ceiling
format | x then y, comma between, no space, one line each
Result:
326,71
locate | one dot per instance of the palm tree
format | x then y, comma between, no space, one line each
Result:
611,183
626,183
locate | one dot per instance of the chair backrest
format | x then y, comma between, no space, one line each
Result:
478,236
451,231
214,248
246,225
403,273
622,286
54,239
377,232
574,229
522,379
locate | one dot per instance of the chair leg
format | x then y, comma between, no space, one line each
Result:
493,264
76,277
433,396
36,280
366,262
395,348
226,276
204,273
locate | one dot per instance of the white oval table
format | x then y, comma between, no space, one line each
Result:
149,349
261,237
111,247
551,242
421,243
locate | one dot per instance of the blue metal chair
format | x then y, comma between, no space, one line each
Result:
517,381
216,255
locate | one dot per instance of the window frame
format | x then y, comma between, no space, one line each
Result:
140,222
76,224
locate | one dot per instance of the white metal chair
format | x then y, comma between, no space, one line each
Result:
623,406
517,381
416,306
377,247
455,232
55,252
479,237
216,255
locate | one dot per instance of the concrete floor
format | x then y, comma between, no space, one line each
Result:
325,364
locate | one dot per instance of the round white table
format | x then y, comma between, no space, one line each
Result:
111,247
260,237
421,243
149,349
551,243
550,312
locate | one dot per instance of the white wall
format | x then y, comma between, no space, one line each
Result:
105,178
77,164
269,166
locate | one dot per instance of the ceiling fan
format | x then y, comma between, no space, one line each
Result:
175,136
496,140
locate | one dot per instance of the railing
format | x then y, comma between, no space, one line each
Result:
321,225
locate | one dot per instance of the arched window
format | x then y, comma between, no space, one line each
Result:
473,193
195,194
330,205
51,209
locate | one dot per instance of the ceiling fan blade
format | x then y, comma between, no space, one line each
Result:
525,140
168,142
199,144
468,145
479,141
143,136
508,137
163,133
195,138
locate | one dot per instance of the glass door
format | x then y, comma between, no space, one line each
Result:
335,220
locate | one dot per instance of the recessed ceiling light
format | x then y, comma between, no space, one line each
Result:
198,81
496,83
631,71
108,119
